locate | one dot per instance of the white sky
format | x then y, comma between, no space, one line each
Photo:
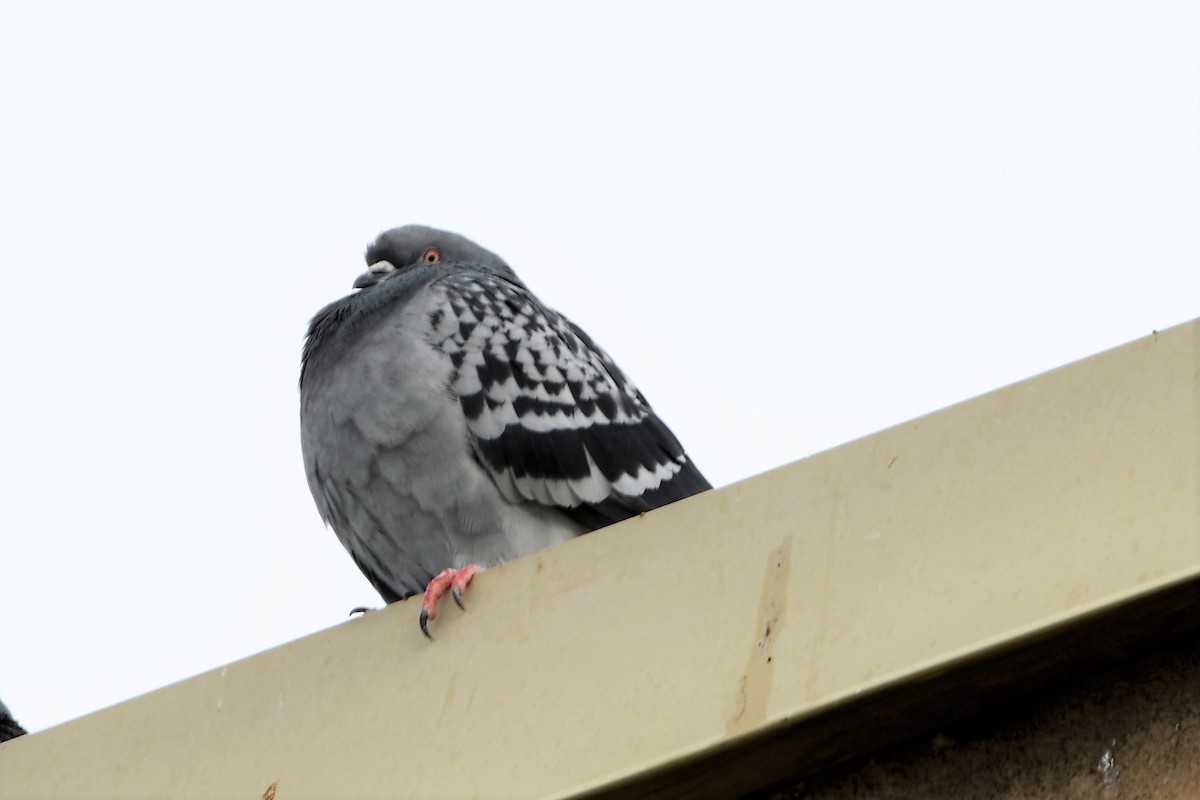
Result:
792,225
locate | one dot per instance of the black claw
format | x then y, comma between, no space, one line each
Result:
457,597
359,610
425,624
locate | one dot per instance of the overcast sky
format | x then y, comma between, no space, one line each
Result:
791,224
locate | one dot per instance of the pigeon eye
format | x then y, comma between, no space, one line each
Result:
432,256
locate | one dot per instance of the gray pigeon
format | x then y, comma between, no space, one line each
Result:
450,421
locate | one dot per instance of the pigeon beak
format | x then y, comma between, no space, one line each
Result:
374,274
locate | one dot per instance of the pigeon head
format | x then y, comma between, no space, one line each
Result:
401,249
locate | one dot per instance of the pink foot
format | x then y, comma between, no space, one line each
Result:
456,581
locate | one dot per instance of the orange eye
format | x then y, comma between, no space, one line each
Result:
432,256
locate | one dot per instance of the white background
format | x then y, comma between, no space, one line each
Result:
792,224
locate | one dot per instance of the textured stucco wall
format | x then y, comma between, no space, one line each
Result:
1126,731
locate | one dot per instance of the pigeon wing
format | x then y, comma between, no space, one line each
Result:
550,416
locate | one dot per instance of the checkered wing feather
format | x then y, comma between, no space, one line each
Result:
551,418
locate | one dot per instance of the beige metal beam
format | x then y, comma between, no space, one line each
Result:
671,652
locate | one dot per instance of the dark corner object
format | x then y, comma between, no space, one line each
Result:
9,727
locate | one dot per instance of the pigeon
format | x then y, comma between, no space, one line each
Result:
450,421
9,727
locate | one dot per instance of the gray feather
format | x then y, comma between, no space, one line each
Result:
449,417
